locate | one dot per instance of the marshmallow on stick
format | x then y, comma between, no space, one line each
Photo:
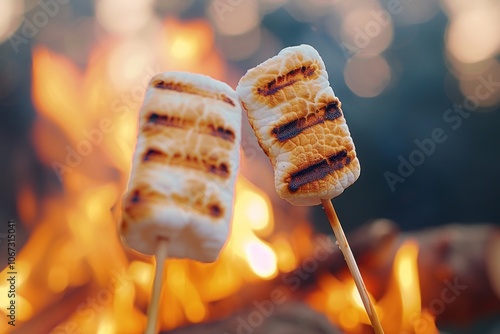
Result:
179,200
300,125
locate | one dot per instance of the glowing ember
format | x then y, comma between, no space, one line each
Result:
261,258
407,275
399,308
254,208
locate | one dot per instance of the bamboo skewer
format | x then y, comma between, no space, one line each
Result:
351,263
161,255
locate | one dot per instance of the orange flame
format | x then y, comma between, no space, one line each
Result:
399,308
86,133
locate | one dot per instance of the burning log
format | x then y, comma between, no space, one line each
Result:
458,265
460,272
454,262
46,321
289,318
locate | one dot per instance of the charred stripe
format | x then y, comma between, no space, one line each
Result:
330,112
319,170
287,79
221,170
145,194
178,122
190,89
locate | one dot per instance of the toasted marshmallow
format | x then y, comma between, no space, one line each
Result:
185,163
300,125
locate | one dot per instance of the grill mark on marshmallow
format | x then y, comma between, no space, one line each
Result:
221,132
145,195
330,112
319,170
178,122
221,170
282,81
152,155
215,210
140,195
190,89
211,207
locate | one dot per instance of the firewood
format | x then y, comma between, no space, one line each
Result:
458,270
52,318
458,273
288,318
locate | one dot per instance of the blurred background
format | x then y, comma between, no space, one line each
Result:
420,87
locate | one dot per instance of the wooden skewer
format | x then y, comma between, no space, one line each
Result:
161,255
351,263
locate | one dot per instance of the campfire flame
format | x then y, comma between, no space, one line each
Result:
399,308
85,132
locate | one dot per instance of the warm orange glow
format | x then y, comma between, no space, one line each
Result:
257,211
56,85
25,267
184,47
254,209
25,308
287,261
73,244
106,326
190,47
406,272
349,318
142,273
26,203
57,279
401,303
195,311
340,300
399,308
197,35
356,297
252,219
261,259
